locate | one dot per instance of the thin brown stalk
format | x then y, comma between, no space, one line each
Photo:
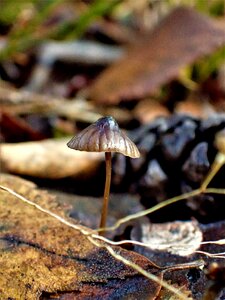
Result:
106,191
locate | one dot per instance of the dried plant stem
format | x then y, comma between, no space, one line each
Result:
190,265
217,242
95,239
141,270
214,191
162,205
150,210
217,164
91,233
212,255
108,160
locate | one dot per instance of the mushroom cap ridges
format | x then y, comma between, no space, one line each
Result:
104,136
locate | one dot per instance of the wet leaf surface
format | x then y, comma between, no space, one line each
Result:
41,258
158,58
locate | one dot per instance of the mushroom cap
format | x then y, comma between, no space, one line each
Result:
104,136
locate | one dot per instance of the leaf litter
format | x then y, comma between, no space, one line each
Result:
212,246
38,236
35,246
21,232
158,57
28,231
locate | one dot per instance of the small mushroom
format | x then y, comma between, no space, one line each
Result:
104,136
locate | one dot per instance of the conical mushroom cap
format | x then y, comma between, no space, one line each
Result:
104,136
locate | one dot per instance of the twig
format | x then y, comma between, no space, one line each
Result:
151,210
212,255
141,270
217,164
93,238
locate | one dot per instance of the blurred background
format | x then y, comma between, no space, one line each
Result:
156,66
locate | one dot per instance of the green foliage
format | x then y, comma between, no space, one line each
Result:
10,10
192,75
26,21
213,7
209,7
22,37
207,66
77,27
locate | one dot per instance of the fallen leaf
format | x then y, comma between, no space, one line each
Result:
18,101
195,107
180,39
148,110
211,250
180,238
47,159
42,258
16,129
165,294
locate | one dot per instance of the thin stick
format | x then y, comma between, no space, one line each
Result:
107,190
150,210
136,267
92,238
217,164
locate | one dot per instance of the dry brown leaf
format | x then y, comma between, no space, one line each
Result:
41,258
195,107
182,38
165,294
180,238
16,129
47,159
147,110
18,101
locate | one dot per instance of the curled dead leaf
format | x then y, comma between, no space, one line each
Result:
180,238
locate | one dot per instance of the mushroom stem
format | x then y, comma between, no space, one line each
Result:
106,191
